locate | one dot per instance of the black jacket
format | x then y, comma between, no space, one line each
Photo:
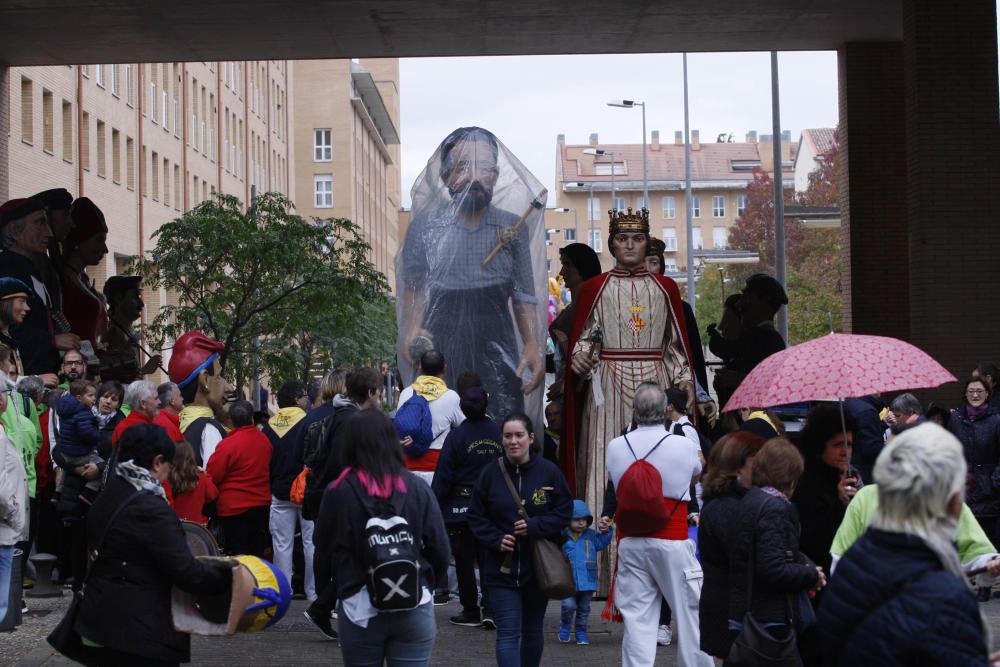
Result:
34,335
286,460
332,468
715,537
468,448
869,433
126,602
780,570
980,440
820,510
340,529
492,514
891,604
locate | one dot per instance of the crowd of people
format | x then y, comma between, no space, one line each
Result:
732,535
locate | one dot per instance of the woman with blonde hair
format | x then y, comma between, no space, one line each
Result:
900,596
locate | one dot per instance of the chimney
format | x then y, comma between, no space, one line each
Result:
593,139
654,143
560,139
678,138
786,146
765,151
695,141
752,137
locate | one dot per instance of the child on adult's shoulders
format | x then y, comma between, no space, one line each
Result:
581,548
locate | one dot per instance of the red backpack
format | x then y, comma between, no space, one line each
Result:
641,509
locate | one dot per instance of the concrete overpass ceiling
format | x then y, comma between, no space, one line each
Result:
46,32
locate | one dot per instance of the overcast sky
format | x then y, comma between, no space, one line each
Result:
527,100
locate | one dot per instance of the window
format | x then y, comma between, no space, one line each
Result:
85,140
152,102
696,238
67,130
569,234
322,145
102,164
669,266
669,208
642,203
85,70
177,187
115,88
606,168
99,75
741,204
619,203
323,190
48,140
116,156
129,90
548,265
695,207
166,182
165,110
130,163
719,237
145,172
718,206
27,111
670,238
594,209
594,239
155,174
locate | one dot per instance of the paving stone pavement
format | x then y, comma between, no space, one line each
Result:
293,641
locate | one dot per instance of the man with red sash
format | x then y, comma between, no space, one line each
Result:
629,328
661,562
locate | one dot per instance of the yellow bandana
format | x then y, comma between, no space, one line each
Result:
286,418
429,387
191,412
760,414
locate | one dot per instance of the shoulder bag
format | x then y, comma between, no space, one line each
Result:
754,646
64,638
552,568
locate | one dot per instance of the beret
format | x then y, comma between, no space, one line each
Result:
193,352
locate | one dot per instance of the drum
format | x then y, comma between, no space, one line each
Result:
200,540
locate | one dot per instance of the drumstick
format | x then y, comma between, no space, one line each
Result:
536,204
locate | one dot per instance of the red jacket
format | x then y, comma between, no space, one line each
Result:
241,468
190,505
171,423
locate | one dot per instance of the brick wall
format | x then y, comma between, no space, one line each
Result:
950,62
873,195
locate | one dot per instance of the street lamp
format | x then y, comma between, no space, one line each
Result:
599,152
576,228
631,104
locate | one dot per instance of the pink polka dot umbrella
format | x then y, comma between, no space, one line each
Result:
838,366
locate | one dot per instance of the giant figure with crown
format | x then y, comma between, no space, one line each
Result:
629,329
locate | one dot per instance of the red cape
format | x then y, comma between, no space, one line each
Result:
573,400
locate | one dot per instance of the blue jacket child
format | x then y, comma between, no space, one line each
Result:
581,550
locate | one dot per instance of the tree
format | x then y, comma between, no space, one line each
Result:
813,256
268,284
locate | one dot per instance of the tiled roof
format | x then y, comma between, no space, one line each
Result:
822,138
711,162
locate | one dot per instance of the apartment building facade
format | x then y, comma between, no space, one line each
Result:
720,172
346,120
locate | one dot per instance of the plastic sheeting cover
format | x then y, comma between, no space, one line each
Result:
471,273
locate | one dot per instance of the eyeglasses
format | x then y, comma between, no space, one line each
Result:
74,363
975,392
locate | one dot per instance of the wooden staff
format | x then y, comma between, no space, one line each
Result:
536,204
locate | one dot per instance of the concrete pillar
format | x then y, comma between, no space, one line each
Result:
952,140
873,194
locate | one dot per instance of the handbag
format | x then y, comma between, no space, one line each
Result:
64,638
754,646
552,568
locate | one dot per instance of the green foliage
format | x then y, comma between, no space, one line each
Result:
303,289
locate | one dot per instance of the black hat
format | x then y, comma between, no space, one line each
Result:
761,283
11,288
56,199
15,209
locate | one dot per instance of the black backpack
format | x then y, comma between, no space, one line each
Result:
316,454
314,446
391,553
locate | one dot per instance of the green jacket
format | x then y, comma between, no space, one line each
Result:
20,420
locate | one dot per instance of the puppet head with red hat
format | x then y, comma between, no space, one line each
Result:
195,368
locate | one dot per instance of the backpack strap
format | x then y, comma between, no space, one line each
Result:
659,442
513,490
678,429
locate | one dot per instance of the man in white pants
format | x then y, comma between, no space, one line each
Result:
662,563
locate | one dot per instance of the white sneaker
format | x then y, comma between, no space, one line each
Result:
663,635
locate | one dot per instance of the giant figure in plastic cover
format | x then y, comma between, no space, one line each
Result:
472,267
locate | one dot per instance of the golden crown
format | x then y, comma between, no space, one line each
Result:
622,221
